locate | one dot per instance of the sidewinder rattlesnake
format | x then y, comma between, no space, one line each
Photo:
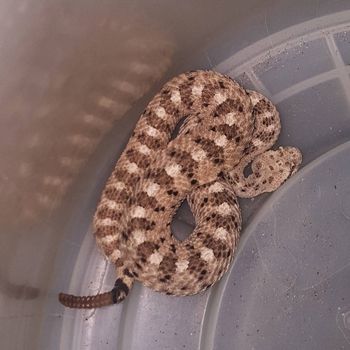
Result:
225,129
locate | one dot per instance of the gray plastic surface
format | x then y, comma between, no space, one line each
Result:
290,289
75,78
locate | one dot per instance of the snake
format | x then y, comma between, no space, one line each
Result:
194,142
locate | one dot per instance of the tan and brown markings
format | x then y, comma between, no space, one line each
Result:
226,128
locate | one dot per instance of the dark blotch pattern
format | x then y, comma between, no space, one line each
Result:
160,177
229,131
138,158
168,264
228,106
146,249
142,223
144,200
214,152
185,90
151,142
103,212
158,123
112,194
196,264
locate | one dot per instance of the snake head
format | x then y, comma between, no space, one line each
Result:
292,158
276,166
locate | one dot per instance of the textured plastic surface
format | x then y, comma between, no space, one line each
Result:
289,285
75,78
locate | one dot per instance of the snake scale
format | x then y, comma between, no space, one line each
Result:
224,129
